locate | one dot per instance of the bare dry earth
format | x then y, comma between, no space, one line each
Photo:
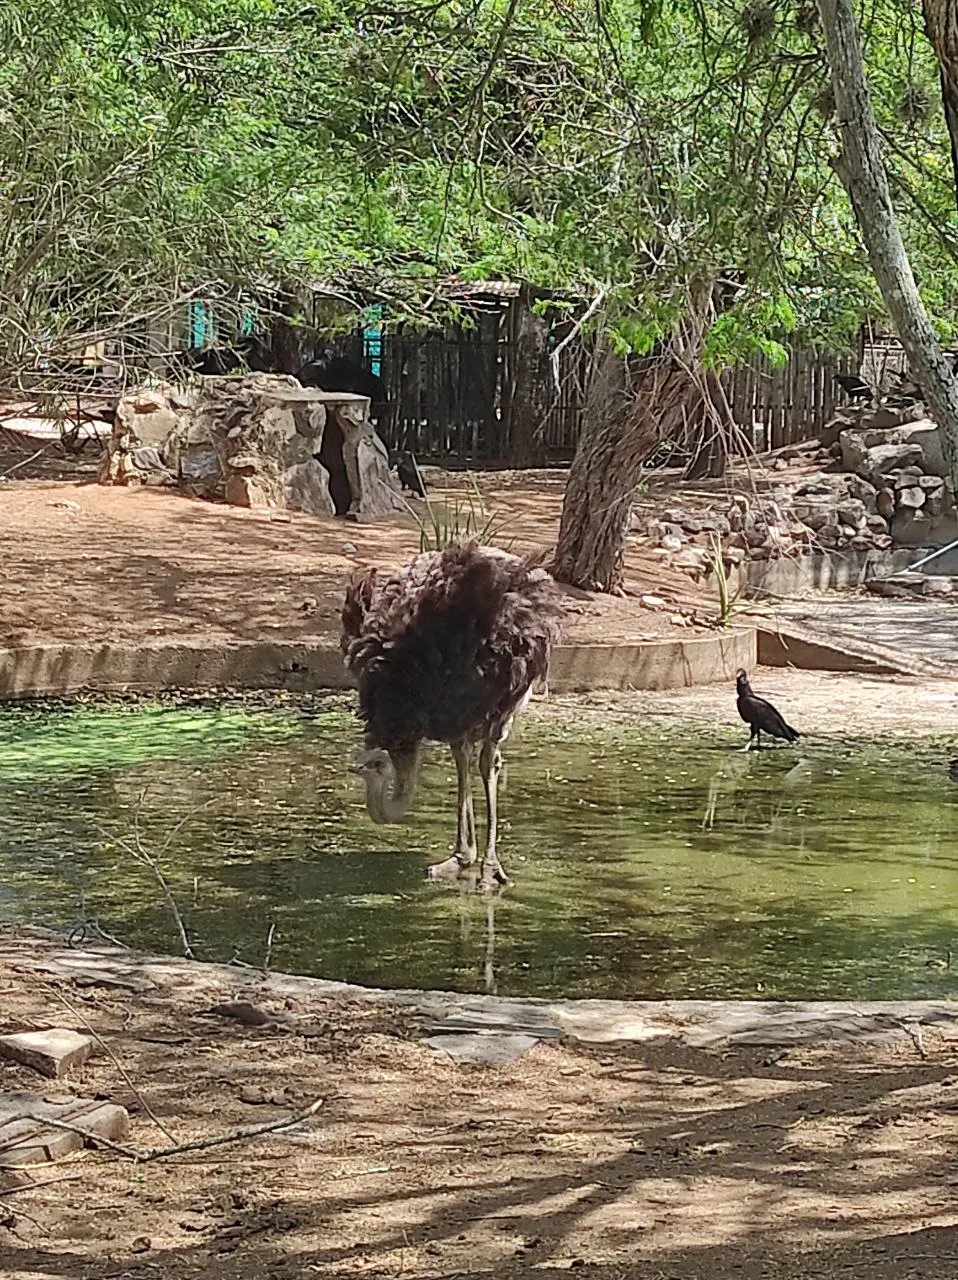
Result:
647,1161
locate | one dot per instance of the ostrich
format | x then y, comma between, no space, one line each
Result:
447,649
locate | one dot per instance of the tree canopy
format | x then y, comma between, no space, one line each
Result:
153,152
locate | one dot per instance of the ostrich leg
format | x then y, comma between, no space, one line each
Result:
464,854
490,766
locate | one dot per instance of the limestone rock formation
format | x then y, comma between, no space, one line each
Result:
257,441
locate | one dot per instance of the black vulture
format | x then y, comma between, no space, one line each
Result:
409,474
854,387
446,649
759,714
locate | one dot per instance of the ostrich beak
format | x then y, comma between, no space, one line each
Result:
356,768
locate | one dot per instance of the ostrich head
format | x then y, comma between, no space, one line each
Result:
390,778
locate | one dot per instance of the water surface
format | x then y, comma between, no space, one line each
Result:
650,860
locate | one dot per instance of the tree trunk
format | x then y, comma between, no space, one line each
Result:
862,172
531,389
941,23
713,433
623,423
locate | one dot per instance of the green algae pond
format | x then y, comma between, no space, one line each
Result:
650,859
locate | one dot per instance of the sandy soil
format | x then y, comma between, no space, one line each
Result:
85,562
653,1161
837,704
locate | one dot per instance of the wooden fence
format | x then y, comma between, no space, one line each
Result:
779,405
448,395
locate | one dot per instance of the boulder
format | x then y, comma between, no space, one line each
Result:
924,433
886,457
934,503
692,560
675,515
885,503
851,512
757,535
854,450
862,490
306,487
876,524
913,497
886,417
815,520
910,527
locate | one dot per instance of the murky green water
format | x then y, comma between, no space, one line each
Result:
650,861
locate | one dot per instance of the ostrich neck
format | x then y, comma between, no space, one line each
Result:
389,797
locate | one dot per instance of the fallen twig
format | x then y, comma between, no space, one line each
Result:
237,1135
43,1182
180,1148
77,1013
23,462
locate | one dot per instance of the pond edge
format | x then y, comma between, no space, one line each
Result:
701,1024
57,669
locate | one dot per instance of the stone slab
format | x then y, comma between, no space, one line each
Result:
54,1052
482,1049
708,1024
28,1141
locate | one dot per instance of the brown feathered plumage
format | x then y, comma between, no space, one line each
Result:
447,648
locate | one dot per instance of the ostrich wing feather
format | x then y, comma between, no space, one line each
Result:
448,646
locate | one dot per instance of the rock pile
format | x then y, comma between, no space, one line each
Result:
892,489
904,472
830,512
258,441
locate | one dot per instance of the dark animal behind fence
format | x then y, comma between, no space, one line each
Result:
339,373
854,387
248,353
409,474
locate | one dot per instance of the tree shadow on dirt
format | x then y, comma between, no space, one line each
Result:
656,1160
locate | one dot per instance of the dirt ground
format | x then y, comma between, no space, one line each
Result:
652,1160
87,563
832,704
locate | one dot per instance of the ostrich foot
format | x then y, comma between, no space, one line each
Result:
493,877
451,868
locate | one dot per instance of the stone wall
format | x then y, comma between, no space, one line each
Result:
257,441
902,469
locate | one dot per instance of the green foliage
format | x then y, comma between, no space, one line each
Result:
647,148
464,519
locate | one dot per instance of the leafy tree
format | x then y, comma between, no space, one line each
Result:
862,170
660,167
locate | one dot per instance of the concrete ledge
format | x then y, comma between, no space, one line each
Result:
701,1024
51,670
653,664
825,571
787,644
